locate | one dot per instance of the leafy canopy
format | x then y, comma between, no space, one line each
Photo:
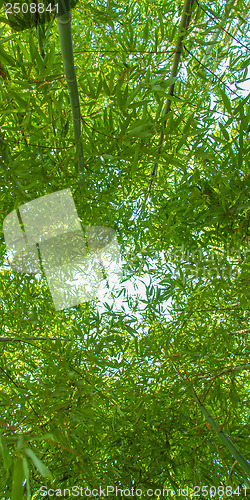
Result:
114,393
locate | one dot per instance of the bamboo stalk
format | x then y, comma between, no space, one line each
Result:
185,19
227,9
65,35
183,27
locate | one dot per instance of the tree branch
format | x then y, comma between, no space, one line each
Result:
228,369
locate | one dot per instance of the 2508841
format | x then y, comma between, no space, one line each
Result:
16,8
213,491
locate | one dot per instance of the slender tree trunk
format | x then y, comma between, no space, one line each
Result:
65,35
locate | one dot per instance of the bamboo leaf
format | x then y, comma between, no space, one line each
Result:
27,477
226,101
224,131
41,467
135,162
50,58
6,58
32,47
5,453
17,481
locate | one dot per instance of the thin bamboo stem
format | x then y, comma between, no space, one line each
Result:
65,36
225,371
185,19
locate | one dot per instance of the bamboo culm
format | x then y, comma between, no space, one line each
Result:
65,35
185,19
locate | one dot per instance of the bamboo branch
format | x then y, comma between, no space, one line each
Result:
65,36
239,331
228,369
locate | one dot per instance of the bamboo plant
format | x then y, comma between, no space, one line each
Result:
63,15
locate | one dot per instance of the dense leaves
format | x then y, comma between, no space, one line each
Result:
111,392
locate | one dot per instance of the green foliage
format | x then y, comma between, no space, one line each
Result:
103,393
